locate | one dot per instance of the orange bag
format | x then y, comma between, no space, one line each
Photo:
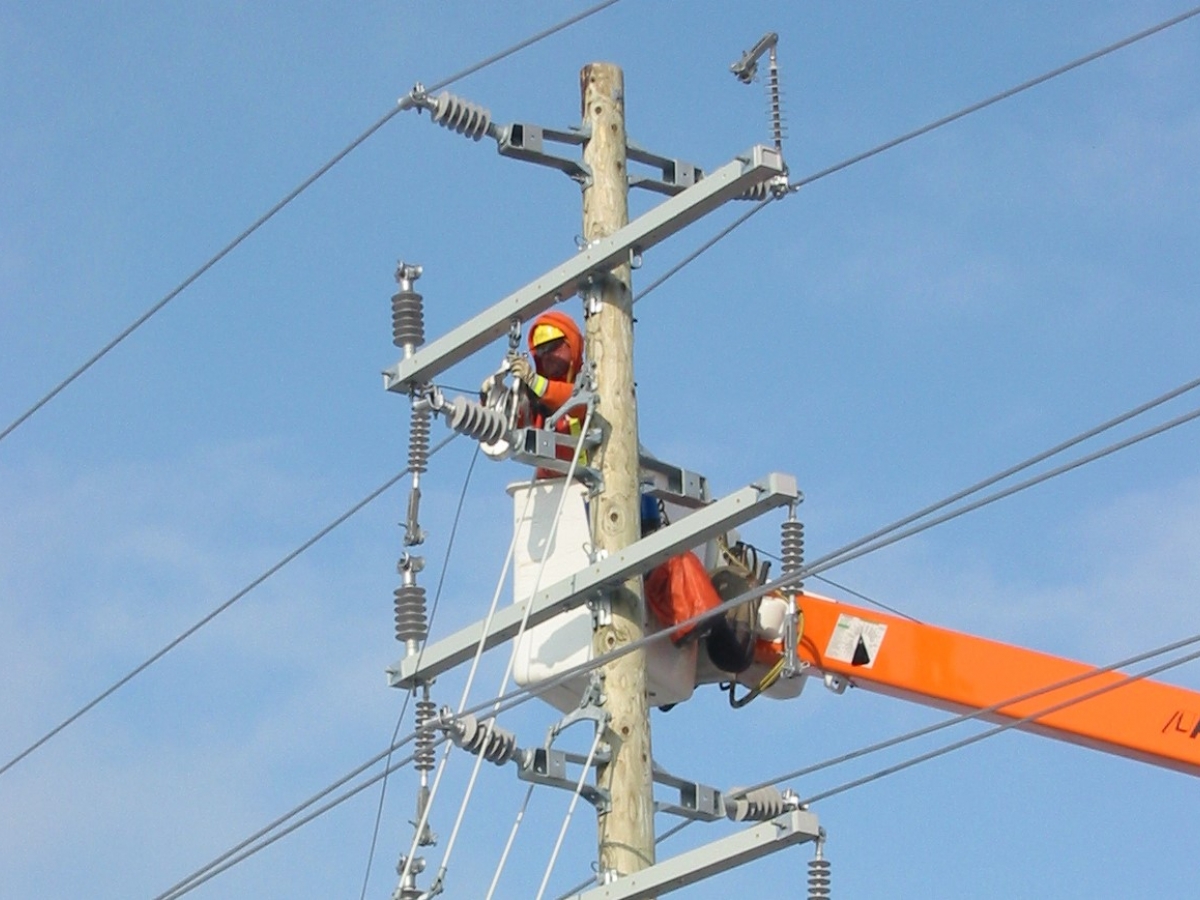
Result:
679,589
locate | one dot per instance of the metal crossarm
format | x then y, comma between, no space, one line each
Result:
795,827
772,492
757,165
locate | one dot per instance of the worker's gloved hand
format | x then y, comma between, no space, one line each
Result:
523,370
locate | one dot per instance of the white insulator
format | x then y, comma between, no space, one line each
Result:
472,735
756,806
472,418
461,116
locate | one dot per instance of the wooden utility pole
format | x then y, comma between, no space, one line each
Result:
626,831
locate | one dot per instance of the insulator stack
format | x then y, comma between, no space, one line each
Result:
460,116
757,806
760,191
475,420
791,547
408,310
818,878
412,625
418,439
776,102
423,755
472,735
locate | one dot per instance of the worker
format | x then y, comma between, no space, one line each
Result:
557,348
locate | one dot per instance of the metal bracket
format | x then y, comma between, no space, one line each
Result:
695,528
526,142
545,765
675,175
539,447
696,801
671,483
601,608
795,827
565,280
549,767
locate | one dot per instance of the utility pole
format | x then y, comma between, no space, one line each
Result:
626,829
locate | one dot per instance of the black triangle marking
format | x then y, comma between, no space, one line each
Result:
862,656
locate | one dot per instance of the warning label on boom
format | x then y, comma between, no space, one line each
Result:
855,641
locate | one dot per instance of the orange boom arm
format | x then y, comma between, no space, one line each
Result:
1141,719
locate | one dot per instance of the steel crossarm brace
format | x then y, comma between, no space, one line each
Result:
757,165
741,506
795,827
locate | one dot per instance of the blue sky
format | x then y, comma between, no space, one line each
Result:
889,334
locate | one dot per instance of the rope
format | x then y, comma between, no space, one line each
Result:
512,659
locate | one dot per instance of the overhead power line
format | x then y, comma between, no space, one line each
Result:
1040,691
405,102
742,219
923,130
999,729
1003,95
187,633
519,696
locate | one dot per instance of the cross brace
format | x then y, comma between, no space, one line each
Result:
741,506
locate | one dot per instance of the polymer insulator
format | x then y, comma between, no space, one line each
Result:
818,878
408,309
791,546
776,103
411,621
418,439
757,806
423,754
460,116
473,419
760,191
408,319
472,735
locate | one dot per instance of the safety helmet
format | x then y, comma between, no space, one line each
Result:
553,325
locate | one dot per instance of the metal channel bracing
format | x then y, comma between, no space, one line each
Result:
741,506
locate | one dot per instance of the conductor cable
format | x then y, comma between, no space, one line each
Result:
187,633
405,102
992,732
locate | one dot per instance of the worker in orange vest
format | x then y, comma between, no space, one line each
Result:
557,348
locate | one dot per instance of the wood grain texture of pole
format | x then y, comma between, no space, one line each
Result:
626,831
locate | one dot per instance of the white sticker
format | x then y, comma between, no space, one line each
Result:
855,641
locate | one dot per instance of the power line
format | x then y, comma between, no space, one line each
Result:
1003,95
975,714
521,695
705,247
187,633
299,808
974,739
232,858
926,129
846,554
405,102
745,217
